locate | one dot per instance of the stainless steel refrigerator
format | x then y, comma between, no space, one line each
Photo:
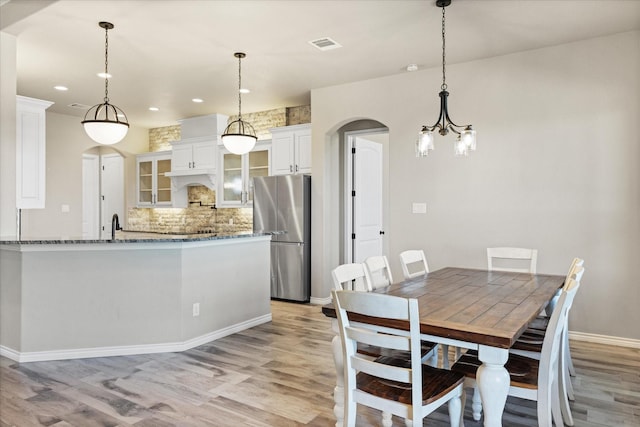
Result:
282,204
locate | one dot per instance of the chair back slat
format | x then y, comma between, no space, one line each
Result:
414,263
352,276
515,255
379,271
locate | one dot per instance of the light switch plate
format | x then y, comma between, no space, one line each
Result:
419,208
65,208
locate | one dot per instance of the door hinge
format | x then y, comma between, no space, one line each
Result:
102,197
353,150
353,193
353,236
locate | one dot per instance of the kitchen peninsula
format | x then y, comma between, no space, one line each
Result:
138,293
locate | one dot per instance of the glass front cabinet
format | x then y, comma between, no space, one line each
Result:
236,173
154,187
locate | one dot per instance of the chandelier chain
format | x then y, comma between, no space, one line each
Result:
106,64
444,78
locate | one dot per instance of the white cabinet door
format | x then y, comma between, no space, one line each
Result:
204,155
181,157
291,147
282,150
303,153
30,152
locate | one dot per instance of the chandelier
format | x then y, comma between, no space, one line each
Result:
466,140
105,123
239,137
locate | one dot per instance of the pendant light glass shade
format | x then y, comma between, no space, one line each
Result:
239,137
105,123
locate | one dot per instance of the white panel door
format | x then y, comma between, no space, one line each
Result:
367,202
112,191
90,196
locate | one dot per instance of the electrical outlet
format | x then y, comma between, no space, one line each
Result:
230,221
196,309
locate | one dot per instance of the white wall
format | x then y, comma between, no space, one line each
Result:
8,135
557,168
66,141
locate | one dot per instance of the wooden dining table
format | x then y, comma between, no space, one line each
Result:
474,309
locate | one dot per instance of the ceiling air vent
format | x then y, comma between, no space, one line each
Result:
325,43
80,106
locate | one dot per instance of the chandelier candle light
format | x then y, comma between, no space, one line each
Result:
239,137
466,140
105,123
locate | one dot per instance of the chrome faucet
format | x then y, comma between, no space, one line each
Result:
115,225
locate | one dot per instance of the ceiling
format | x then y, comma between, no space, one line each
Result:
164,53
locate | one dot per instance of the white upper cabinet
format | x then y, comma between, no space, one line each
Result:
235,184
291,149
194,156
154,185
30,152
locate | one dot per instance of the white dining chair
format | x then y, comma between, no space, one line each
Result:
355,276
379,271
414,263
530,378
351,276
531,342
526,259
405,388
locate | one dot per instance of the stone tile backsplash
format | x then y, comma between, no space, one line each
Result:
199,216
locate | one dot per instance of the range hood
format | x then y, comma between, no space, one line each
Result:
194,157
180,180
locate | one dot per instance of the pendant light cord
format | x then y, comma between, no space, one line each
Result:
106,65
239,87
444,78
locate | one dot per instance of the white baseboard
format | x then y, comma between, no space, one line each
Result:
320,301
82,353
604,339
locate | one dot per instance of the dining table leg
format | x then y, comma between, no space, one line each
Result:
338,391
493,382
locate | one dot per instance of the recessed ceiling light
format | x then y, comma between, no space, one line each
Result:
104,75
244,90
154,109
61,88
197,100
412,67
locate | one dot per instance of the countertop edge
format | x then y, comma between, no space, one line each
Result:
126,240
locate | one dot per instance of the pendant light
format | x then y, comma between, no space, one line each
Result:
105,123
239,137
466,140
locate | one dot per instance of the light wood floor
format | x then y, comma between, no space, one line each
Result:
278,374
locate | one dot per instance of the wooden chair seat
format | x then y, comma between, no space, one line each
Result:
436,383
523,371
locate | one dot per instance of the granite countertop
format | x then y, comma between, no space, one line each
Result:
138,237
